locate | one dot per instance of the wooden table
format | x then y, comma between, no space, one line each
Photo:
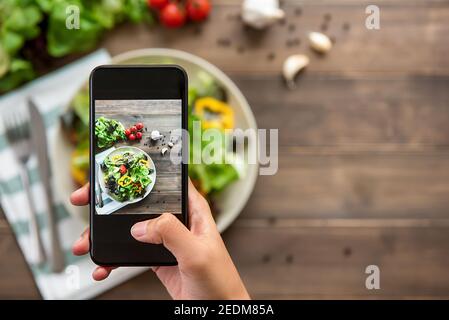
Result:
363,152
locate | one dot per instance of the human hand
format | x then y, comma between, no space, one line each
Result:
205,269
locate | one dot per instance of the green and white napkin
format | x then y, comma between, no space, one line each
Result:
109,205
51,93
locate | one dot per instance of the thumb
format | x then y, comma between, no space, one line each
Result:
167,230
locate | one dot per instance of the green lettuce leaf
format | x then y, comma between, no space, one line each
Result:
19,72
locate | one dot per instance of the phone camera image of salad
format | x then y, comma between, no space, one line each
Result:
126,175
128,156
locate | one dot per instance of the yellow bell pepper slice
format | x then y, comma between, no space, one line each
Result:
116,157
79,175
124,181
144,162
224,113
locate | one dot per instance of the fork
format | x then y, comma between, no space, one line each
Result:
18,136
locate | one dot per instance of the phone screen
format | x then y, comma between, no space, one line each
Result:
137,156
137,144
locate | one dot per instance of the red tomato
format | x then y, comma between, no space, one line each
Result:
123,169
139,135
127,132
139,126
172,16
132,137
157,4
133,129
198,10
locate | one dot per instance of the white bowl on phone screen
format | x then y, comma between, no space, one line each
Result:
230,201
152,175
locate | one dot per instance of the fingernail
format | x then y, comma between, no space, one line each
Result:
78,191
139,229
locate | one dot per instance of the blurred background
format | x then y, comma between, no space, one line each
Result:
363,173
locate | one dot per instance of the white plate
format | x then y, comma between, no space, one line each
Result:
151,165
231,201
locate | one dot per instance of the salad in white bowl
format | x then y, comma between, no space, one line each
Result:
127,174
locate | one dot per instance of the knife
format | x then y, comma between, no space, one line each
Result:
98,188
39,144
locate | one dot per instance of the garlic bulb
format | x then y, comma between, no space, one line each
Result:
261,13
156,135
320,42
292,66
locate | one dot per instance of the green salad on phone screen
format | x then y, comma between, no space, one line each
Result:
108,131
127,175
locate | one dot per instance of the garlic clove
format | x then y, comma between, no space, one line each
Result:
292,66
261,14
156,135
164,151
170,144
320,42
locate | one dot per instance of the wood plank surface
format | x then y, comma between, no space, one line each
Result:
303,262
331,261
413,38
139,107
16,279
364,111
354,185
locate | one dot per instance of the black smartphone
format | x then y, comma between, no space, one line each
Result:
137,148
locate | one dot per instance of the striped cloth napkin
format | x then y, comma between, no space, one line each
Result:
51,93
109,205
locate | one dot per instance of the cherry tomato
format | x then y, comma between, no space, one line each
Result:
139,135
133,129
198,10
127,132
123,169
157,4
132,137
139,126
173,16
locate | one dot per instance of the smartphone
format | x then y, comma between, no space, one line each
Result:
137,158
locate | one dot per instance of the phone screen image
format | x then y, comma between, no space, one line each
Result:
137,157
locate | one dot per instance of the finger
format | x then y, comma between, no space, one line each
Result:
80,197
101,273
81,246
194,196
201,219
167,230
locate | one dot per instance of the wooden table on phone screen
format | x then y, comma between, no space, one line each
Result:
363,152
